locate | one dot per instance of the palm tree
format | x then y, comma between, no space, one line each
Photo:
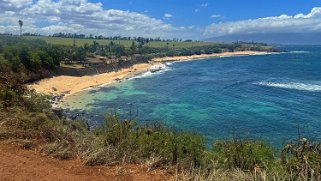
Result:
20,24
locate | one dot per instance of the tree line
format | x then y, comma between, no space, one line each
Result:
101,37
24,55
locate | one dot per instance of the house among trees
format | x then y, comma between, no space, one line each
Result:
138,58
124,58
67,61
102,58
95,62
112,59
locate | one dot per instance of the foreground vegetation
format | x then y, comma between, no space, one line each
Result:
26,118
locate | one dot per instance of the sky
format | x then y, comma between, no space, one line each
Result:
184,19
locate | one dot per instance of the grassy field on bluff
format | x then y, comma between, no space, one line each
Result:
126,43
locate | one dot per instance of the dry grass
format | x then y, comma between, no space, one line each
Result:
23,143
74,65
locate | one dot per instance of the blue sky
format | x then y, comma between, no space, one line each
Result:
188,12
161,18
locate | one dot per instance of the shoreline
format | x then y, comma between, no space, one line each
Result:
63,86
202,56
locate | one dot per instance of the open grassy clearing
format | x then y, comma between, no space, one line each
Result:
75,66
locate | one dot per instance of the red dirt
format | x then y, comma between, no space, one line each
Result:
19,164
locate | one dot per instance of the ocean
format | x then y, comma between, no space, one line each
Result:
265,97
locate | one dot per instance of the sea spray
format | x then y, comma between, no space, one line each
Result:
293,85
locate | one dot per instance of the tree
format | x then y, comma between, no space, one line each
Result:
4,65
140,48
20,24
25,56
119,50
16,64
133,47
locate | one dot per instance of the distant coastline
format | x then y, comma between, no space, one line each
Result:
193,57
67,85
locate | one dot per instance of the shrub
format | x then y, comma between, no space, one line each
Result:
242,154
139,143
36,102
59,150
303,159
5,66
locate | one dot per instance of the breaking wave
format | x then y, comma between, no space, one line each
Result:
293,85
299,52
150,74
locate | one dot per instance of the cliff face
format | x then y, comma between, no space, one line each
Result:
44,73
98,69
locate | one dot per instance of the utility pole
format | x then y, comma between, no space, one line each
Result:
20,24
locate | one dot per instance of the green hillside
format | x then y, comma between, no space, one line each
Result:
126,43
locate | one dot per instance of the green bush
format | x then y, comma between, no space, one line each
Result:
142,142
5,66
242,154
35,102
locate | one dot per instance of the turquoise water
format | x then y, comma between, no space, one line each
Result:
260,97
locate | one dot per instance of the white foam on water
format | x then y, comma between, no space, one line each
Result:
265,53
299,52
169,63
145,74
293,85
104,85
150,74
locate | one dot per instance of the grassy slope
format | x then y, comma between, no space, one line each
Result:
126,43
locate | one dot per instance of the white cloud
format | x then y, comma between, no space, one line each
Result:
14,4
310,22
80,16
201,6
191,27
168,16
204,5
216,16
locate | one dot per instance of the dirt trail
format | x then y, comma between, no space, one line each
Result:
19,164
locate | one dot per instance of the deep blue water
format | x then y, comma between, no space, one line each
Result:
261,97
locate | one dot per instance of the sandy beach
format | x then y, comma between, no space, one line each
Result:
225,54
70,84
